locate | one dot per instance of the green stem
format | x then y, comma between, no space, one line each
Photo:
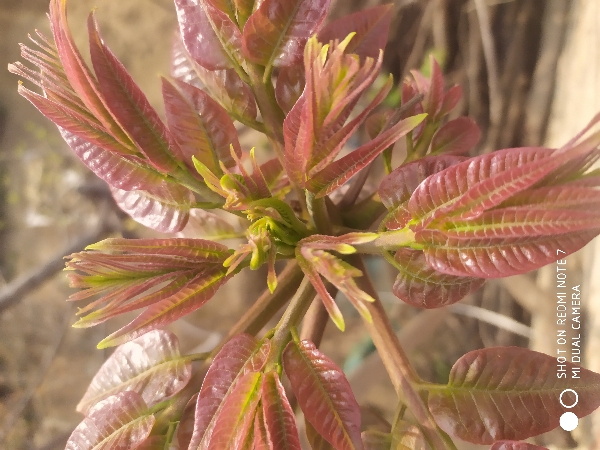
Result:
291,318
317,209
266,306
389,241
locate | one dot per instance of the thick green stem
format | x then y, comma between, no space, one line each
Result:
291,318
404,378
388,241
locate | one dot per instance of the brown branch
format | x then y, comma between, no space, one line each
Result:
17,289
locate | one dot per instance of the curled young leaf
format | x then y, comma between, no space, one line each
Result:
150,365
324,395
120,421
510,393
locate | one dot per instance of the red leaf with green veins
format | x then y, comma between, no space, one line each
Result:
199,36
570,196
165,208
324,395
201,127
480,183
225,86
150,365
419,285
237,358
78,74
496,258
128,104
196,250
117,171
280,422
276,33
188,299
509,393
340,171
456,137
515,445
290,84
370,25
235,421
76,123
396,189
118,422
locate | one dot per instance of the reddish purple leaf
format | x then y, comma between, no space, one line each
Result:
237,358
509,393
515,445
370,25
150,365
481,182
279,419
201,127
419,285
396,189
119,172
340,171
434,95
199,36
261,439
276,33
78,74
165,209
235,422
129,105
225,86
189,298
451,99
316,441
76,123
290,84
185,429
456,137
496,258
196,250
120,422
324,395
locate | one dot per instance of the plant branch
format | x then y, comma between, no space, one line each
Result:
266,306
291,318
403,376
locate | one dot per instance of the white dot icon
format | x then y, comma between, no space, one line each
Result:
569,421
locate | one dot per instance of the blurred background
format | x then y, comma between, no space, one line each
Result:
530,70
